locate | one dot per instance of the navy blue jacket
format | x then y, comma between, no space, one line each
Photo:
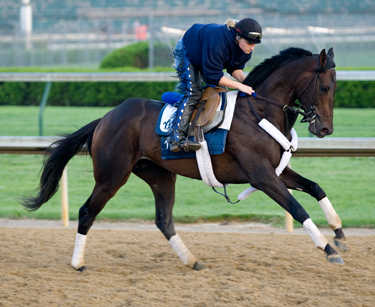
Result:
212,48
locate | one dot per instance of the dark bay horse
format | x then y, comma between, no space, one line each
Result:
125,141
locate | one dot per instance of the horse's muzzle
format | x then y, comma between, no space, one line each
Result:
320,132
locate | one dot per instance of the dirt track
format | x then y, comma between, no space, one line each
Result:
139,268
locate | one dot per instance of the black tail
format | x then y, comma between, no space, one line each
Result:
61,152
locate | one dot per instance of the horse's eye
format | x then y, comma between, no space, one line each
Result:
324,89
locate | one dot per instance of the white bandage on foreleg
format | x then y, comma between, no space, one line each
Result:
330,213
79,252
182,251
317,237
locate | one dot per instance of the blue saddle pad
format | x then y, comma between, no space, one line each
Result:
215,138
215,142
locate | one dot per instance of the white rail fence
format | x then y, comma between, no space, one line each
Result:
308,147
342,75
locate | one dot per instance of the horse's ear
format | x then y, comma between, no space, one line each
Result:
330,53
323,58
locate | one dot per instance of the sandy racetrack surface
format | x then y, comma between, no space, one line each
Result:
139,268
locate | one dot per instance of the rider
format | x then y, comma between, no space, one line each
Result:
202,54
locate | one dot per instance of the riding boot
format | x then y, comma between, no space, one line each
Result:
182,130
179,139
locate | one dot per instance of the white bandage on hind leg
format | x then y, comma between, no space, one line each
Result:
330,213
317,237
182,251
79,252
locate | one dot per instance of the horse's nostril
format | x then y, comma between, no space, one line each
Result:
325,130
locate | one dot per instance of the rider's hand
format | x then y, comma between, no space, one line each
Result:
246,89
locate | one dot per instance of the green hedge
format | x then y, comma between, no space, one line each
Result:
349,94
81,93
136,55
355,94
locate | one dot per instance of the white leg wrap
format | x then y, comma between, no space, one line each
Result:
330,213
79,251
182,251
319,240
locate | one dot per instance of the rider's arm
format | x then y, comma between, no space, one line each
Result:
224,81
238,75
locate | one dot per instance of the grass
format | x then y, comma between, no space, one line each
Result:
348,182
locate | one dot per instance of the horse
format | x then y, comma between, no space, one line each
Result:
124,141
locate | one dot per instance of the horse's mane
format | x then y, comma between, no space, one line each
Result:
264,69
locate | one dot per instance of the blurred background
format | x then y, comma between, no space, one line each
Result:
82,33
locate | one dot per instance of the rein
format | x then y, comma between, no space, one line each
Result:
307,117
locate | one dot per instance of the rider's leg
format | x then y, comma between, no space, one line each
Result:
185,112
190,87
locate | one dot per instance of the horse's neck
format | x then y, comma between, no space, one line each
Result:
284,92
290,120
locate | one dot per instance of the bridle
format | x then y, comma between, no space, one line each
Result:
308,116
311,115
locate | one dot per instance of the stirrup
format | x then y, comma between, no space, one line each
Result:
184,145
174,147
188,145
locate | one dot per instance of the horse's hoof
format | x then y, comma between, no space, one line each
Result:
335,259
81,269
198,266
341,244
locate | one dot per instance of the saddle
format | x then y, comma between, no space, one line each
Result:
206,116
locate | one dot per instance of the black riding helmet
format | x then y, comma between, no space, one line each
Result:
250,30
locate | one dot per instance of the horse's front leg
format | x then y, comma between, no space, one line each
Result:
267,181
294,181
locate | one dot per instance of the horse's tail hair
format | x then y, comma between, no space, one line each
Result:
57,157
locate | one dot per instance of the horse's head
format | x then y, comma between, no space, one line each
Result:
309,78
317,95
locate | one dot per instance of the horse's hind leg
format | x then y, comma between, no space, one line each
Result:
294,181
107,184
162,183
